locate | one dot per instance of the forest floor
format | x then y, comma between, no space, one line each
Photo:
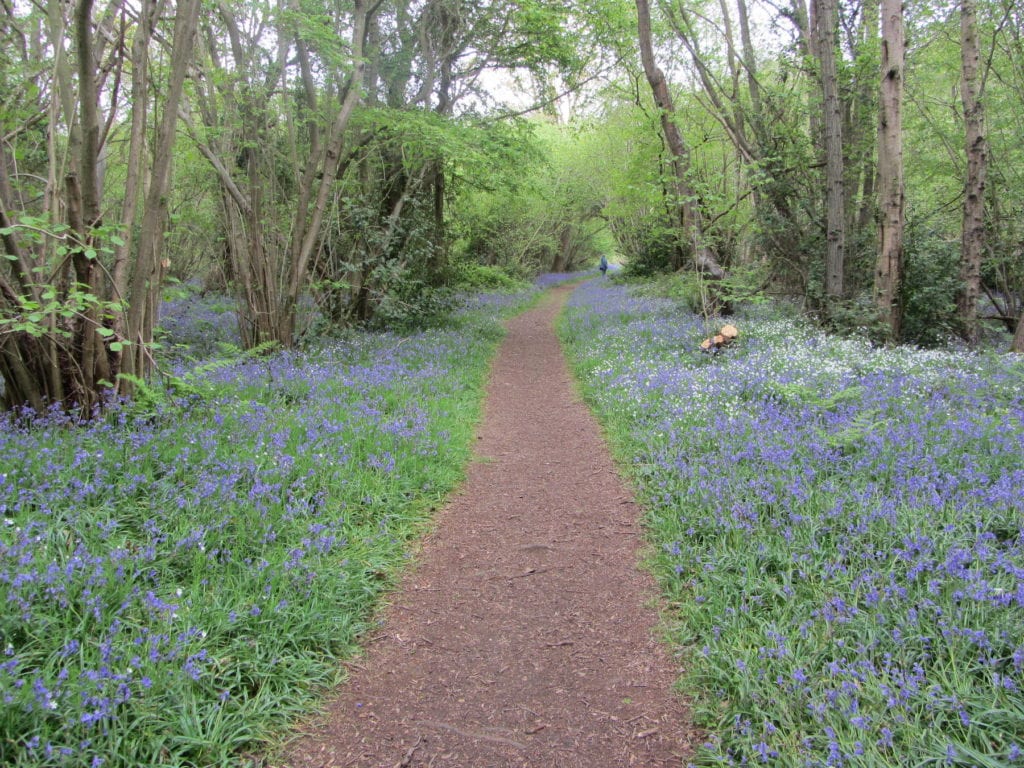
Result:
525,632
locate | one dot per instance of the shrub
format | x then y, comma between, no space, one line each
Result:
930,285
471,276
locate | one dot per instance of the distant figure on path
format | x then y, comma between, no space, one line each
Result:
603,266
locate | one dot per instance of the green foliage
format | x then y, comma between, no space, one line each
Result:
743,287
929,289
413,306
54,313
933,138
194,244
652,252
552,217
534,34
50,314
471,276
482,152
681,287
193,388
146,400
857,317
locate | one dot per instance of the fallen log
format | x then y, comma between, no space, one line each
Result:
725,336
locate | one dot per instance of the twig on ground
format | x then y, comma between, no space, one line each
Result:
474,734
406,761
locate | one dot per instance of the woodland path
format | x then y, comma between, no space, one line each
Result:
524,633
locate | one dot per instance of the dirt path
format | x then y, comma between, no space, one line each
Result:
523,637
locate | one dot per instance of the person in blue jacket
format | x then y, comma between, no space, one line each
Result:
603,266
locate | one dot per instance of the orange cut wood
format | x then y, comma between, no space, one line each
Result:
729,331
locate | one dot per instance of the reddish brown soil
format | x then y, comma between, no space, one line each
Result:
524,634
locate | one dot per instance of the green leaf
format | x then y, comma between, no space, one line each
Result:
117,346
106,333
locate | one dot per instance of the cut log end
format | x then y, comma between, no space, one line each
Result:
725,336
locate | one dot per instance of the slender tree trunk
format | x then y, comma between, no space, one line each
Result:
148,270
749,61
728,106
38,369
20,355
835,193
82,188
149,13
805,18
868,199
888,274
690,217
88,98
973,232
236,107
72,355
448,23
308,221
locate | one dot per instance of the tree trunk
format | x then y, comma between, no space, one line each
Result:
88,160
148,270
972,241
1018,337
70,353
749,62
562,254
692,237
835,193
446,23
149,13
888,273
82,186
804,14
307,222
87,350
